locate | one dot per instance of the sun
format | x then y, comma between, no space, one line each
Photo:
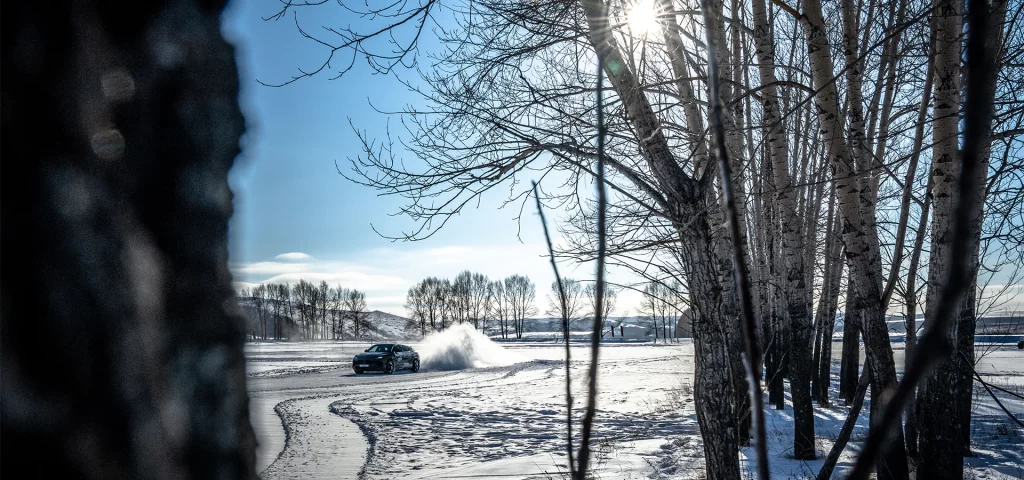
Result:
643,17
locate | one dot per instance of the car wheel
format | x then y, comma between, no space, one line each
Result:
389,367
358,372
415,366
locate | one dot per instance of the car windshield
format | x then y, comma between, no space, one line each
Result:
380,348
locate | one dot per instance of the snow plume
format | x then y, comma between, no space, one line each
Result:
461,347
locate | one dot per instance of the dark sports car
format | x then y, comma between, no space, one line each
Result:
387,358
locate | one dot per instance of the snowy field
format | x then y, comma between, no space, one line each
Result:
480,409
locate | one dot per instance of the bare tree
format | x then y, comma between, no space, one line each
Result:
521,294
860,233
566,304
478,299
282,309
659,304
417,305
795,287
304,299
434,291
261,303
355,307
336,305
246,300
651,307
323,299
500,306
448,300
944,397
607,307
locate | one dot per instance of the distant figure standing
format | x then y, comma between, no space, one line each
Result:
620,331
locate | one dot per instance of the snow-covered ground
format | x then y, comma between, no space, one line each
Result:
481,410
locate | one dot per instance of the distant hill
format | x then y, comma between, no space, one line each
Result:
386,326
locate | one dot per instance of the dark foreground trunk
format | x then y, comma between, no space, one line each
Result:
713,390
121,344
851,347
800,386
776,393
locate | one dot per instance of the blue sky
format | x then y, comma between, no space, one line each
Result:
296,217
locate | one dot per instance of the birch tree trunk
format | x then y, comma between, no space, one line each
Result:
910,296
859,233
938,409
773,331
723,250
827,306
795,288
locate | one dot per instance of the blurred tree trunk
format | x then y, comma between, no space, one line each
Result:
121,339
968,318
910,298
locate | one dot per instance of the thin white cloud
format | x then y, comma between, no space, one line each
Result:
294,257
268,269
358,280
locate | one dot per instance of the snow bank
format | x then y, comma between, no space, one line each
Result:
461,347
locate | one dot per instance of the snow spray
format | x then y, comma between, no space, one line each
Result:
461,347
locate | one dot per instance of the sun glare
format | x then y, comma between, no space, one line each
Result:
643,17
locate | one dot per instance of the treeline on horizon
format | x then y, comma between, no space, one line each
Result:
500,307
304,311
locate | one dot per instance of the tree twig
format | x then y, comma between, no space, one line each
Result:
562,300
851,421
595,336
985,384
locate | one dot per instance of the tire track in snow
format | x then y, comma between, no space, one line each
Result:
409,440
269,428
318,443
469,422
